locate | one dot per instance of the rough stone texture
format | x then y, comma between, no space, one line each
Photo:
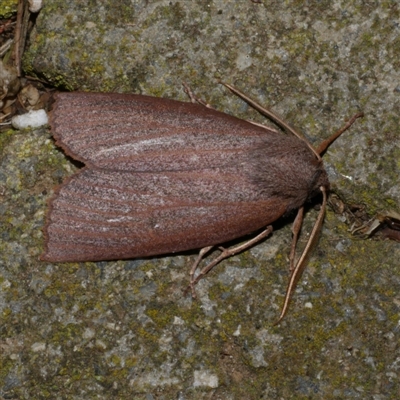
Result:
123,329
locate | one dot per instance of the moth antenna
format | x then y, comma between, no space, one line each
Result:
301,263
327,142
270,114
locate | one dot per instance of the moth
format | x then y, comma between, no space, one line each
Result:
163,176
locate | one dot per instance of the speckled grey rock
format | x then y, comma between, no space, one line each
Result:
123,330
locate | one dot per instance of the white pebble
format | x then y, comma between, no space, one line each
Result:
32,119
35,5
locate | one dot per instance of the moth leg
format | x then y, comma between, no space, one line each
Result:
194,98
225,254
302,262
298,222
261,125
202,252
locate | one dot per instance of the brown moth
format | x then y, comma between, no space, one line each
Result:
163,176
